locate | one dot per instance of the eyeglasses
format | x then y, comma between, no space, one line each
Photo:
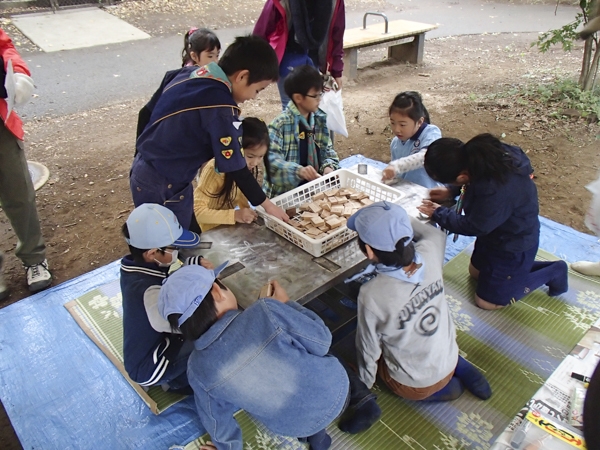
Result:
319,95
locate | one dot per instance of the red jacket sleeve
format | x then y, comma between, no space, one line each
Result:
8,51
336,40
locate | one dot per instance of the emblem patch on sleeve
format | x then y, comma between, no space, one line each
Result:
302,135
226,140
227,153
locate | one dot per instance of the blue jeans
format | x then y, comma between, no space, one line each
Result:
148,186
287,64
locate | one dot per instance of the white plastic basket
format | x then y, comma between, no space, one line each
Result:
341,178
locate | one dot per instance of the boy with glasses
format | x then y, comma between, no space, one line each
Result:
301,149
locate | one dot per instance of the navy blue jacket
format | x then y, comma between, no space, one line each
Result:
194,120
146,352
503,216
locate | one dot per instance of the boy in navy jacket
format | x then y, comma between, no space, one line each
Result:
152,356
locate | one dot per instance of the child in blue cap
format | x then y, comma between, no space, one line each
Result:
272,360
405,331
152,356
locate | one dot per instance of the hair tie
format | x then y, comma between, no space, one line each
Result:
192,31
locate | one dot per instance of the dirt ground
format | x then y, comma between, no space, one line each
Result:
89,155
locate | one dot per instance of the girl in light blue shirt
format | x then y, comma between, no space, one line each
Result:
413,133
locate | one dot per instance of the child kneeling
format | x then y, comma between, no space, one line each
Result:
405,331
270,360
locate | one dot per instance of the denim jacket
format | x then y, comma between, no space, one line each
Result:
270,360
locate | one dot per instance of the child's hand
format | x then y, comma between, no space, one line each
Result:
308,173
245,215
278,292
428,207
208,446
206,264
327,170
439,194
388,173
275,211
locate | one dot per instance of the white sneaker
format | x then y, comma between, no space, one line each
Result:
3,288
587,267
38,276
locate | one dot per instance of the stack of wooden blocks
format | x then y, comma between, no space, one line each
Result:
327,212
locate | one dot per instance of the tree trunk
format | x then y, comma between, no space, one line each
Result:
590,80
585,64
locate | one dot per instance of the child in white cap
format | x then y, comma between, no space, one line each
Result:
271,360
405,331
152,356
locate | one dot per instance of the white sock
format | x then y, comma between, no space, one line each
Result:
587,268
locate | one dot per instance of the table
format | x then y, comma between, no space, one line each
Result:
257,255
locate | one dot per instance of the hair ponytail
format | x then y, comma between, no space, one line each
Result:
198,40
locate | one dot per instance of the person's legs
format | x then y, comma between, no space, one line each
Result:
148,186
282,95
319,441
451,391
176,374
363,410
587,268
17,197
4,291
472,379
506,277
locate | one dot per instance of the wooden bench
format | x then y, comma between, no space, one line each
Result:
405,40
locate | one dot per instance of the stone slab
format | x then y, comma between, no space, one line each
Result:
75,28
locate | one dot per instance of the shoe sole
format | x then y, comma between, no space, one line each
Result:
40,286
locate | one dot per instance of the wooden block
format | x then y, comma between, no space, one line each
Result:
320,235
319,196
348,211
325,214
341,200
323,228
266,291
362,195
351,190
355,196
304,223
331,192
317,221
367,201
326,206
308,215
337,209
304,207
333,200
312,232
334,222
314,208
343,222
291,212
333,230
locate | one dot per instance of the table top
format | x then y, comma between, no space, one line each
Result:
257,255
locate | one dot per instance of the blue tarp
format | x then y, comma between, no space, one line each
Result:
61,392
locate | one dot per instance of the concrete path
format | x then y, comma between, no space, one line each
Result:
77,80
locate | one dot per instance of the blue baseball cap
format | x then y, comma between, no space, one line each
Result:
183,291
381,225
153,226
